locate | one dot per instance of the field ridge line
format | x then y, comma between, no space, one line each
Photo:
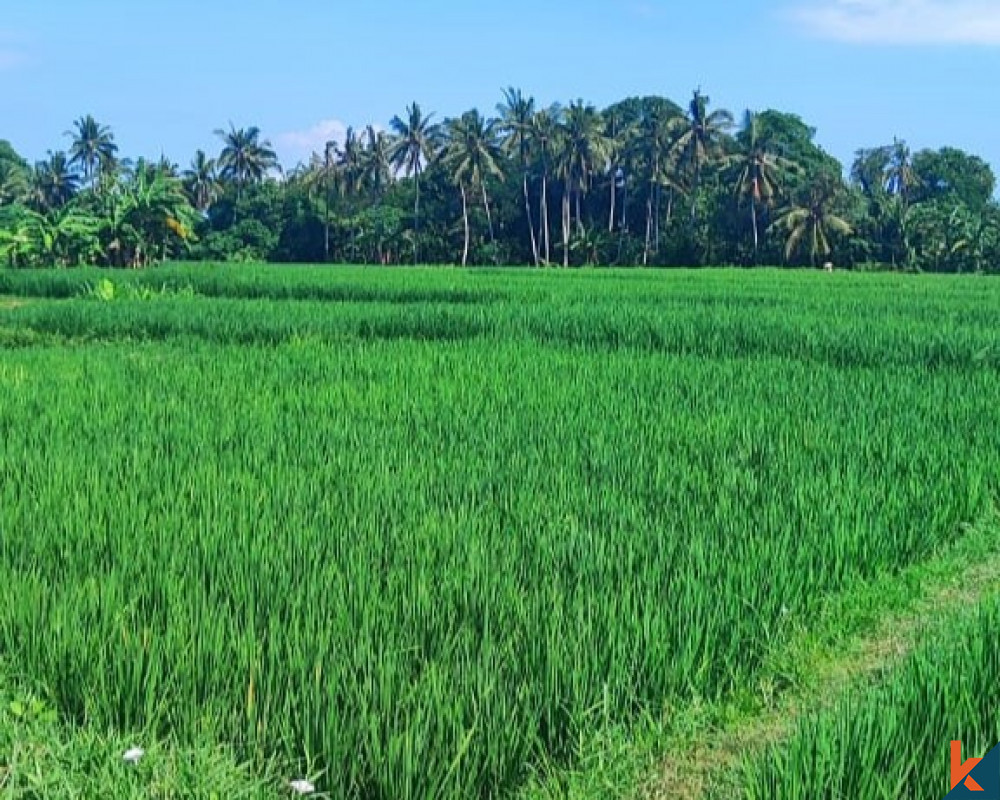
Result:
710,766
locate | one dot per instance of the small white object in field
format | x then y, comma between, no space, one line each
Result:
828,266
133,754
302,787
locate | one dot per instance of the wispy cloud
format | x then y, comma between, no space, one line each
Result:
295,146
645,9
11,53
954,22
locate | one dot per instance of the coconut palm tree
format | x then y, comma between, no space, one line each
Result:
93,148
54,183
471,155
328,175
759,170
201,181
350,170
517,114
417,140
545,134
377,162
651,152
901,178
700,140
168,168
886,170
810,224
583,151
317,179
886,177
617,134
245,159
350,163
870,170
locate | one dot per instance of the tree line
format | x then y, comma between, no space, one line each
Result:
642,182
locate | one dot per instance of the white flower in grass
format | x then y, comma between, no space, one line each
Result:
132,755
302,787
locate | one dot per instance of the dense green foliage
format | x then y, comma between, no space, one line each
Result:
41,757
892,741
429,527
643,181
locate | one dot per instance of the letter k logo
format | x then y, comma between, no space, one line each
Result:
960,771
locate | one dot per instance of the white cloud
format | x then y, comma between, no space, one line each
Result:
645,9
975,22
11,54
296,146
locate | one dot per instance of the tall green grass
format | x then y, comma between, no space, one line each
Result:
427,560
842,333
892,741
42,758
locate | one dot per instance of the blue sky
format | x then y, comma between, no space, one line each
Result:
165,75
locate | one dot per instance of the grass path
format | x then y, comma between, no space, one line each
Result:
43,757
708,765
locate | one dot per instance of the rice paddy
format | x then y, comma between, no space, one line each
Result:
425,529
893,740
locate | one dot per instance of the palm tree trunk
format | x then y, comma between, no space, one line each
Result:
567,219
694,195
527,215
326,233
489,215
756,235
465,223
614,198
416,218
659,197
649,227
545,218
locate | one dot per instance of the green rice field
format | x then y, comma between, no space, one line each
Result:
425,530
893,740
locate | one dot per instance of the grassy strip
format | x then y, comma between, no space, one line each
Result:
892,740
962,335
856,637
43,757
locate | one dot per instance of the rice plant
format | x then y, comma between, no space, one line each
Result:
893,741
425,544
